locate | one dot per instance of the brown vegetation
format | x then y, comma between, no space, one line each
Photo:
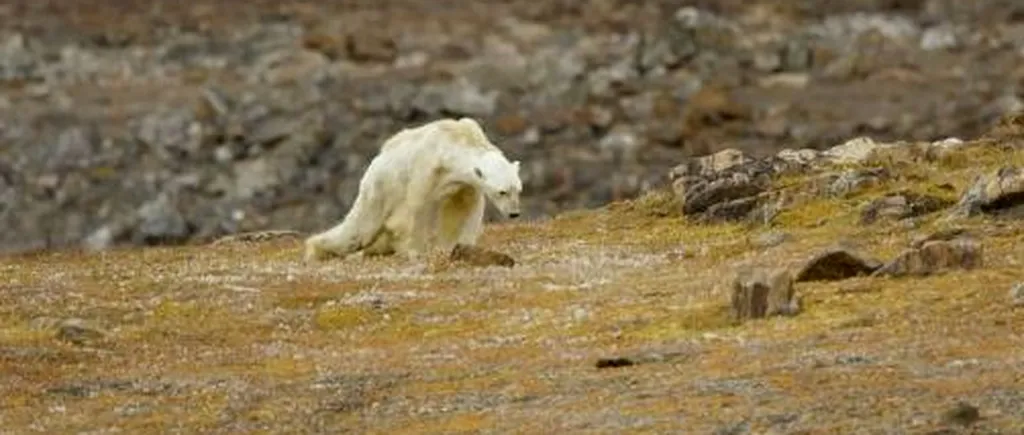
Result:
243,336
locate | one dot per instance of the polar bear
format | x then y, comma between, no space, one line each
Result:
427,188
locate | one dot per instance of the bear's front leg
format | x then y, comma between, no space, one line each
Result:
414,235
473,226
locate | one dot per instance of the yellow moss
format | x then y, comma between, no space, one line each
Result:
817,212
23,334
654,203
338,317
463,423
698,319
177,311
464,332
981,156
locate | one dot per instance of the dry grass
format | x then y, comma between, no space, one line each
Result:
246,338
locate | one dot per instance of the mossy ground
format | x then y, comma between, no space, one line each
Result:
247,338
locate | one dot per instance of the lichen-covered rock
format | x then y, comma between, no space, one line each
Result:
902,205
758,293
729,197
710,165
997,193
852,181
935,257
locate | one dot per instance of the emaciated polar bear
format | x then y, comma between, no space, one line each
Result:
427,188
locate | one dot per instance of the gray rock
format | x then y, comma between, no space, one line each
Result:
161,222
694,30
606,82
796,55
767,60
170,132
621,144
1017,294
458,97
16,61
940,37
75,147
555,67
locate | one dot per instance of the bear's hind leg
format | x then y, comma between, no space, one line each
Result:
381,245
358,229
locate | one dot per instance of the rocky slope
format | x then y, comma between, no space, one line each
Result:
877,289
148,122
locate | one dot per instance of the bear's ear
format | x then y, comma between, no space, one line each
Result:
478,173
516,164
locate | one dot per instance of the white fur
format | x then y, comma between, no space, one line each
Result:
427,188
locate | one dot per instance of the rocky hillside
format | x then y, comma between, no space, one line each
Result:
867,288
148,122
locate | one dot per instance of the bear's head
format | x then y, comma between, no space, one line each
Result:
499,180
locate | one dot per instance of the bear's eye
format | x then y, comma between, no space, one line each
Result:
503,193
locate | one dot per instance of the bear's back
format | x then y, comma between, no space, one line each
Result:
464,132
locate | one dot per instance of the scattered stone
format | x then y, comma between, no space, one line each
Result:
854,180
1017,294
999,193
611,363
621,143
370,47
801,157
161,222
458,97
963,414
78,332
934,257
771,239
730,196
172,133
943,235
480,257
710,165
836,264
759,293
855,151
902,205
257,236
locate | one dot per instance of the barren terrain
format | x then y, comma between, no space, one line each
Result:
135,135
613,320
